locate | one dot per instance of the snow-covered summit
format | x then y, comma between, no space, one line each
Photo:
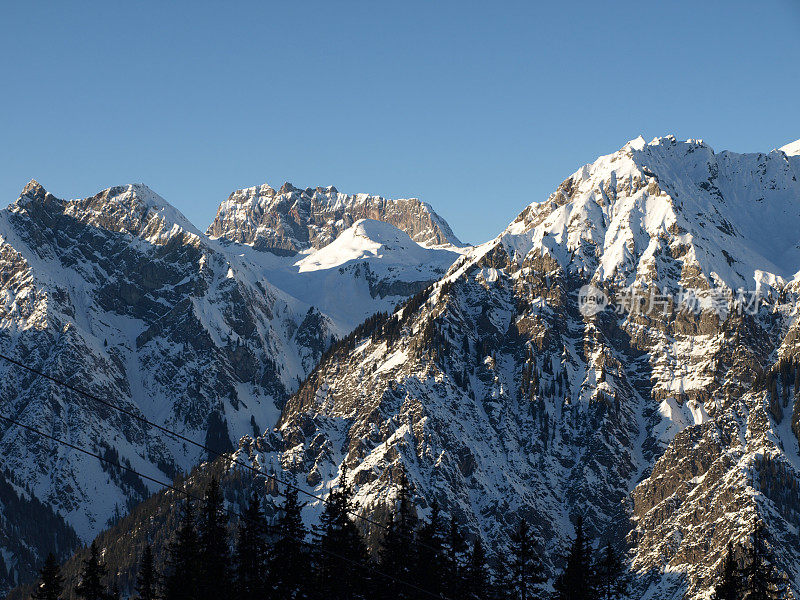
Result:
791,149
667,210
134,209
369,238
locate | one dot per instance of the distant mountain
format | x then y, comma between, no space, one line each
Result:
290,220
120,296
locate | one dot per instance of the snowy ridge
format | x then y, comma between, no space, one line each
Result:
792,149
666,208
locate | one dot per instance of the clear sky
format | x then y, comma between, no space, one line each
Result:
477,108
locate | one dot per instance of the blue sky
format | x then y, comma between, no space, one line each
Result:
476,109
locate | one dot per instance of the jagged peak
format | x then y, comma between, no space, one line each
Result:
137,197
33,187
617,214
251,215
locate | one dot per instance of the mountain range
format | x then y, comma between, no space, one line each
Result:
666,416
121,297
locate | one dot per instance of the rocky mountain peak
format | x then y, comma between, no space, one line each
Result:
670,211
293,219
33,187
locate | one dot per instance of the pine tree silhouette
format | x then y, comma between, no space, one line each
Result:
612,580
215,552
729,586
454,561
337,536
183,556
290,563
251,551
51,583
575,581
91,585
430,561
760,579
525,570
398,547
146,577
478,584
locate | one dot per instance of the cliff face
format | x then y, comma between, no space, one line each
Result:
290,219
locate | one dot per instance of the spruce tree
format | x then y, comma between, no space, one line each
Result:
729,585
612,580
478,582
339,548
91,585
146,577
760,579
430,567
525,569
51,583
251,551
454,561
398,547
575,582
215,553
182,577
290,563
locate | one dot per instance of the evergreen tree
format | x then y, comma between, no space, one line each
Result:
729,586
215,553
398,547
525,570
146,577
92,585
575,581
478,582
454,561
339,546
612,580
182,579
290,563
51,583
760,580
251,551
430,561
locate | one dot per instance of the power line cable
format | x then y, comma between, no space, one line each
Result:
183,438
200,499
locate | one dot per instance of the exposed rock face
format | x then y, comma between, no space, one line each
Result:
120,296
291,219
666,424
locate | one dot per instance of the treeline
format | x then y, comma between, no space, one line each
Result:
212,558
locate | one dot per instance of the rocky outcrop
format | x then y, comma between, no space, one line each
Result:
291,219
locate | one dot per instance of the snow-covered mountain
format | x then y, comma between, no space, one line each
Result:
119,295
670,422
665,412
370,267
291,219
